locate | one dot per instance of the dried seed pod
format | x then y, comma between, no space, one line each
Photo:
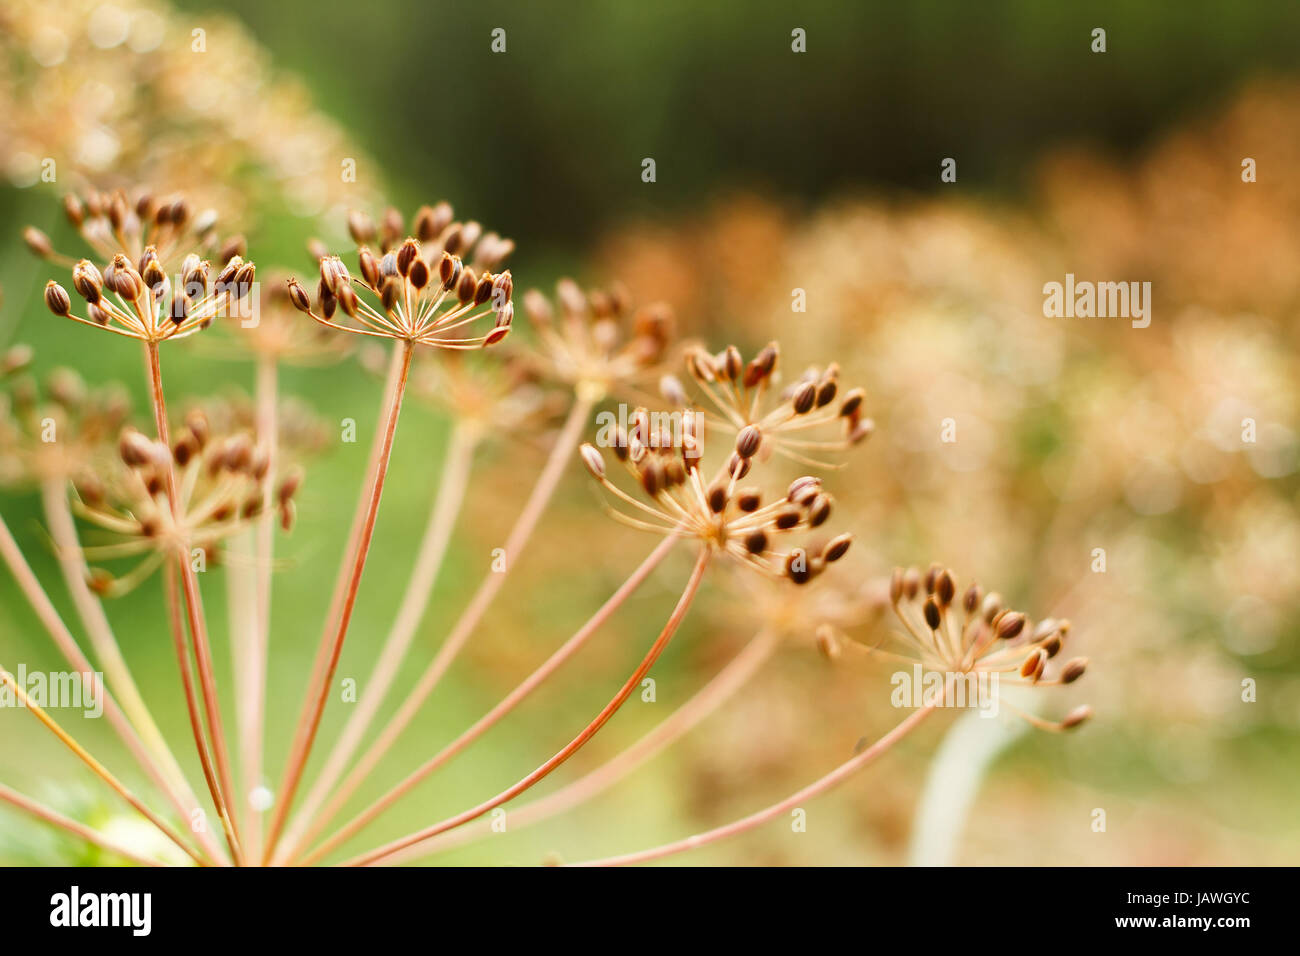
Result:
57,299
1075,717
837,547
748,441
594,461
1073,670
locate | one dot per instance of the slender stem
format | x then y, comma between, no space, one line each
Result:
738,671
419,589
656,649
814,789
171,589
90,609
253,713
309,722
193,602
99,769
547,481
506,705
67,644
56,819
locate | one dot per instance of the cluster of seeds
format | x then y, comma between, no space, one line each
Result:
730,518
111,222
138,299
597,342
979,634
741,392
423,290
220,482
58,430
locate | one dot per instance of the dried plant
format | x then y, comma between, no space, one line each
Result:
215,483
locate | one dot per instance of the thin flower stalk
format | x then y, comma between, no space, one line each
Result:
99,769
633,681
547,481
737,672
171,589
252,715
314,706
58,516
67,644
837,776
415,601
512,700
80,830
193,602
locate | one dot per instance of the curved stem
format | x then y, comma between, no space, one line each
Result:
738,671
99,769
193,601
63,530
313,709
505,706
171,588
419,589
56,819
656,649
758,818
67,644
547,482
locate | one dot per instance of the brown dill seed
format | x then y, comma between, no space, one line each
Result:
1073,670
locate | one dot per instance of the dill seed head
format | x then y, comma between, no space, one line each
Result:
676,499
419,288
767,422
978,634
223,480
597,343
130,224
58,431
154,285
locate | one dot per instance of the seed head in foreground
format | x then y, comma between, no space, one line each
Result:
737,520
766,421
417,289
221,479
975,633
